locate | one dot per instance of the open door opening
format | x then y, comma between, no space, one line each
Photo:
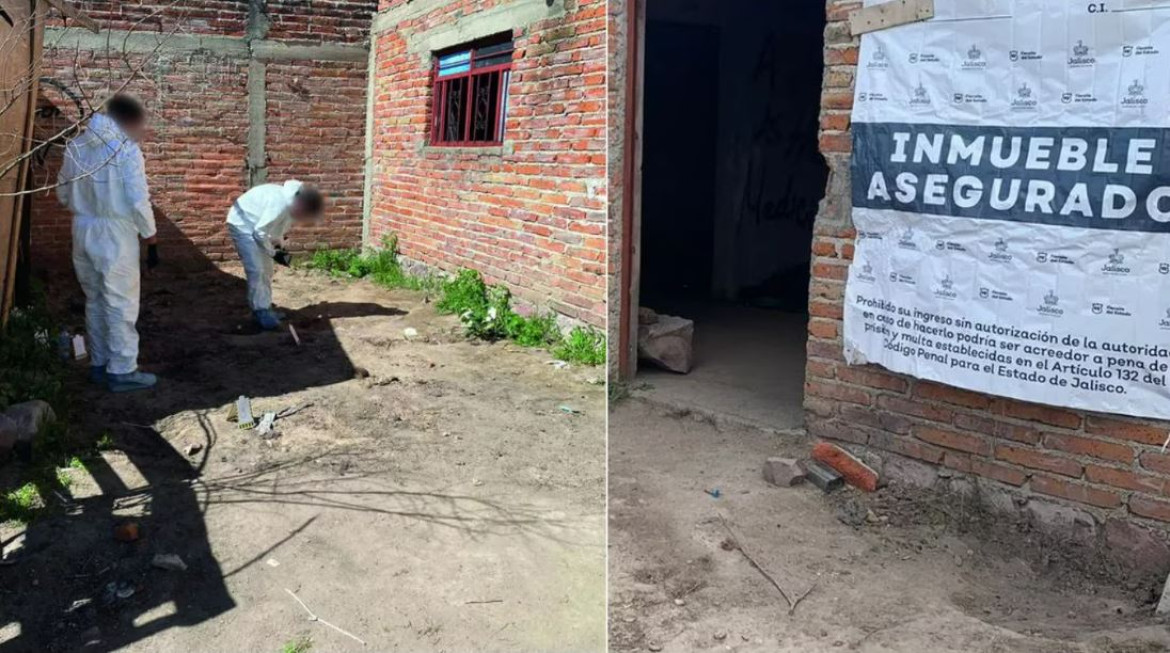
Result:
731,181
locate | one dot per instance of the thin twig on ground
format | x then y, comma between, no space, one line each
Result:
792,603
483,602
314,617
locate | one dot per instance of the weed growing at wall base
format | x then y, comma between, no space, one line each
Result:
380,266
31,368
485,311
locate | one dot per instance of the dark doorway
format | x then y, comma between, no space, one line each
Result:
681,93
731,182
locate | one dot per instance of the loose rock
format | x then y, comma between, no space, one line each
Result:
668,343
169,562
784,472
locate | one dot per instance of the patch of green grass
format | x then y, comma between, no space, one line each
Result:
302,644
380,266
31,368
105,442
63,478
21,504
486,311
583,345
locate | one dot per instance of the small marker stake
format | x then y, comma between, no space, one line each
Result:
293,331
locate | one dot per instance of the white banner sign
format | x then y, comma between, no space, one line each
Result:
1011,194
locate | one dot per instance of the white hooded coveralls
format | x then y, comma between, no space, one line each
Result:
103,183
257,222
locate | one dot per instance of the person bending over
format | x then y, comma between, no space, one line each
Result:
258,222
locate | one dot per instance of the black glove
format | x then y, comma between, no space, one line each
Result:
151,257
282,257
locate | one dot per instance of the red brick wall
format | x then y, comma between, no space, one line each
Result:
316,133
220,17
1109,466
320,21
198,149
530,215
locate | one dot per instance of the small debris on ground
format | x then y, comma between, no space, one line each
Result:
852,513
169,562
192,449
823,476
410,333
856,473
569,410
265,427
244,419
784,472
126,531
715,493
289,412
115,591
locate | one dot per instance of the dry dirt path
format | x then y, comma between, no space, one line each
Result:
677,584
433,497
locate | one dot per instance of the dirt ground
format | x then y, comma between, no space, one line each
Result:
904,580
435,495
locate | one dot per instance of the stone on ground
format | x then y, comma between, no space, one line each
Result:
784,472
667,343
20,424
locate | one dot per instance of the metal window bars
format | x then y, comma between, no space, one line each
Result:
470,100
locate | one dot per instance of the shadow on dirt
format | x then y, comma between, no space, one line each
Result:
68,583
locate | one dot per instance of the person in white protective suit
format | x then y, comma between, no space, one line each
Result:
258,222
103,184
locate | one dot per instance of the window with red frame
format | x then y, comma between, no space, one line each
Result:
471,93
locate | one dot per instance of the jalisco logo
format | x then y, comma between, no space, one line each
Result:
866,273
907,239
879,60
1051,305
946,288
1116,264
1081,55
1023,101
921,97
1164,323
974,58
1136,96
1164,268
1000,253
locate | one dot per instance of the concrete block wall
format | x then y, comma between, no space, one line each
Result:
1050,462
530,214
618,24
240,91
